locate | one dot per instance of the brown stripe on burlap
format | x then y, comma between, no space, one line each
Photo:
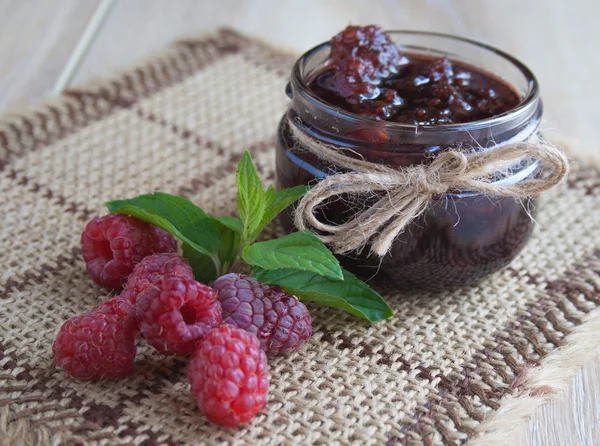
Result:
230,156
43,272
183,133
79,210
48,123
584,177
87,420
225,168
179,123
205,143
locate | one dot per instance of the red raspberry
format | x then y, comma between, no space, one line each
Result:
175,313
280,321
112,245
96,345
122,309
228,375
151,268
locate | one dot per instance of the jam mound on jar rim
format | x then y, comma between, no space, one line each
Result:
367,75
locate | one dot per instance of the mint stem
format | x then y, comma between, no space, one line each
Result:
238,262
217,263
236,266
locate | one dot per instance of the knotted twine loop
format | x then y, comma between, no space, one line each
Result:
408,191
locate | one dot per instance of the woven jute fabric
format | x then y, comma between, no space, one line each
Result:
438,372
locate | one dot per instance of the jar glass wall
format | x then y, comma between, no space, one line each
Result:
462,236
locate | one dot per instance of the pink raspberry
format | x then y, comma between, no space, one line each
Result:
99,344
123,310
153,267
175,313
228,376
280,321
112,245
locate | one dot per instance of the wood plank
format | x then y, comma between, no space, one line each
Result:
289,24
38,38
573,419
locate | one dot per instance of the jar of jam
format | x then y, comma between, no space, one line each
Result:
446,93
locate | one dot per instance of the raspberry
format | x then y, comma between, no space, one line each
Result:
96,345
279,320
175,313
151,268
112,245
123,310
228,375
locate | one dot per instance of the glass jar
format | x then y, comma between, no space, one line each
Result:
463,236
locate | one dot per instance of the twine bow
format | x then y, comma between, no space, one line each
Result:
408,191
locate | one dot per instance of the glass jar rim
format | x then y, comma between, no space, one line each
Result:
529,100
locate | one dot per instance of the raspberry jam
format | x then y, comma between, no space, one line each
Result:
399,99
367,75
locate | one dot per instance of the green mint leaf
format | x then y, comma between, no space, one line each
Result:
280,201
231,235
351,294
235,224
179,216
269,196
298,250
202,265
250,198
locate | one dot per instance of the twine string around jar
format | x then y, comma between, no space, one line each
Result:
406,192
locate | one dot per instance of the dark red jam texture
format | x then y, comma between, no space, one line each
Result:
361,57
367,75
461,238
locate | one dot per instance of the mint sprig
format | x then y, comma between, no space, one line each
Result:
251,199
299,251
277,202
350,294
298,262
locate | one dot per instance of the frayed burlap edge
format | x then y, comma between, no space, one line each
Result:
540,385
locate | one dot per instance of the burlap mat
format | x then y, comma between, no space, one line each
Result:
178,123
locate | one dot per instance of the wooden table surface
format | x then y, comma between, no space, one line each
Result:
49,45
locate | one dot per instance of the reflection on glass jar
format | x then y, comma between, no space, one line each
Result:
462,237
